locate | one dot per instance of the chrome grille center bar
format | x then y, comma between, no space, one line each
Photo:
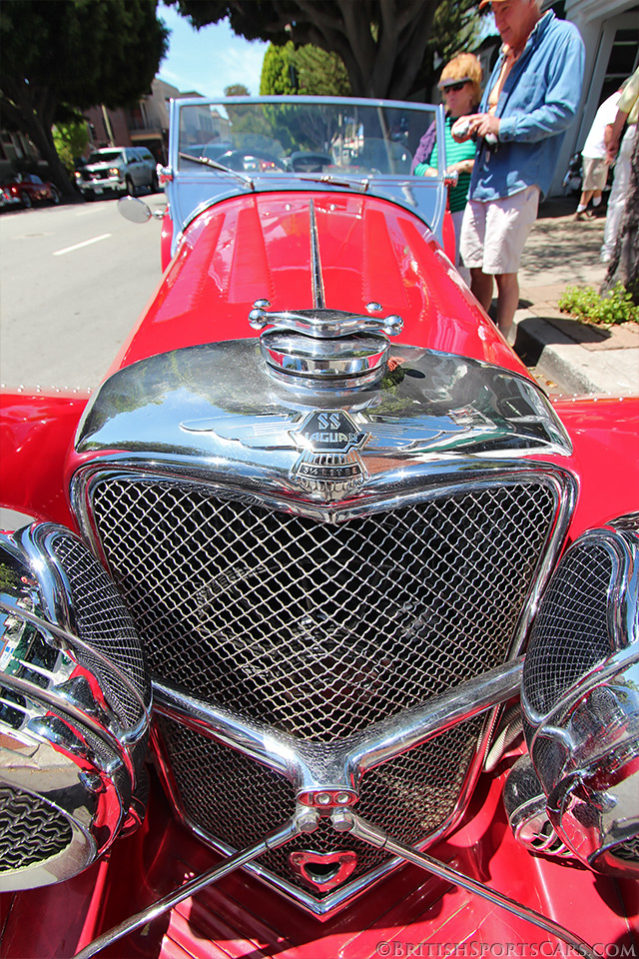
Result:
316,769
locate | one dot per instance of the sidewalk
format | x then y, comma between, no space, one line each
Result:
562,252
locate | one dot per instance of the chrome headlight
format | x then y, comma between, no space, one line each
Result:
580,696
74,709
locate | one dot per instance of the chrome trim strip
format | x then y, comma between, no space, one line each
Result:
347,821
319,300
304,821
390,738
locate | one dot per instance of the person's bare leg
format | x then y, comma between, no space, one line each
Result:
584,200
481,286
507,301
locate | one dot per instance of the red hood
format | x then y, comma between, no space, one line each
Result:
258,247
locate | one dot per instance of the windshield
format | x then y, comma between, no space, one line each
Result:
337,139
236,145
105,156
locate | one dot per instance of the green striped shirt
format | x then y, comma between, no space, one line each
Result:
455,152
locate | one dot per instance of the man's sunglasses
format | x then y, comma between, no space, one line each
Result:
455,86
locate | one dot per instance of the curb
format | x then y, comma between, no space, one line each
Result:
574,369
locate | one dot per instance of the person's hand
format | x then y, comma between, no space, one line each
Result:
462,166
460,130
484,124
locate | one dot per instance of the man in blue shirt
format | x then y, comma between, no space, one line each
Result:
528,104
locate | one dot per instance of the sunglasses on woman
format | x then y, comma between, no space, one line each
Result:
456,87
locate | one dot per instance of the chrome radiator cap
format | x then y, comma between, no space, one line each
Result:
324,349
580,697
74,709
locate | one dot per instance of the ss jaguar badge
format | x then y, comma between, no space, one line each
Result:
330,465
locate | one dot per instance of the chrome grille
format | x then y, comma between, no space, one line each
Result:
320,629
105,624
235,801
570,633
31,830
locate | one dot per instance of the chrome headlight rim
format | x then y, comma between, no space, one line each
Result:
585,745
75,723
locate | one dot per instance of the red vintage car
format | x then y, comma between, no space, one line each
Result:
324,639
29,188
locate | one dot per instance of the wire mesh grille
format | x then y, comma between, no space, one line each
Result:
320,629
627,851
104,623
31,831
571,631
236,801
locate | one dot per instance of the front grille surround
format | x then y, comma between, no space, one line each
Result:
423,490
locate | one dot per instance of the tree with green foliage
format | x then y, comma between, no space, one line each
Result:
307,70
74,53
388,47
71,140
236,90
278,71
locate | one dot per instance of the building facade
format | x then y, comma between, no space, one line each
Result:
610,31
146,123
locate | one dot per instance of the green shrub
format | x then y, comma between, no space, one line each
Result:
588,305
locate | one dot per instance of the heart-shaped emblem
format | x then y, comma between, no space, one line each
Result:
323,870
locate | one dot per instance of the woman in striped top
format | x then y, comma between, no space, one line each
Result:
460,83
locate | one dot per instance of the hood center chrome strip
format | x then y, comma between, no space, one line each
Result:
317,279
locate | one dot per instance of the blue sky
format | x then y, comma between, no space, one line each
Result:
209,59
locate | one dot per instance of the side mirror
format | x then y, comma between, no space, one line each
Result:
136,210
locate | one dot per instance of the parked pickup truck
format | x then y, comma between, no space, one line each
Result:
117,169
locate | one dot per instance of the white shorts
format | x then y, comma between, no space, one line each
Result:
494,233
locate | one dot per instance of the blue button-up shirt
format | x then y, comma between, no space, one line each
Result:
538,103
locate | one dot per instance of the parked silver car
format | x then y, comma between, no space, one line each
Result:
117,169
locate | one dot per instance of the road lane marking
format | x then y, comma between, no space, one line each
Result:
78,246
93,208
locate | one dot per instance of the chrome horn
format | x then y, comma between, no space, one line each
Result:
580,698
74,709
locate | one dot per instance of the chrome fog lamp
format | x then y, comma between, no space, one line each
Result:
74,709
580,697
